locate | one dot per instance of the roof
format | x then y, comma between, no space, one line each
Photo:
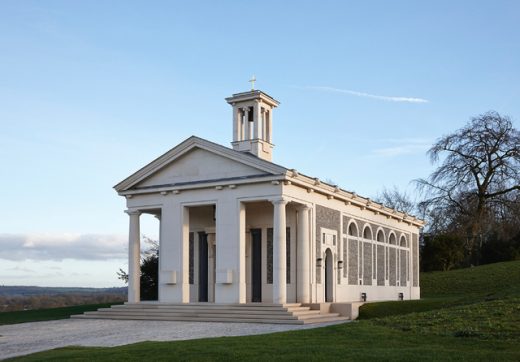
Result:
197,142
251,95
272,169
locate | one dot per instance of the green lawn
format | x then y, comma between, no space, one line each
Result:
471,314
354,341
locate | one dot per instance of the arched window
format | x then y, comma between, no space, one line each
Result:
403,241
352,229
380,236
391,239
367,232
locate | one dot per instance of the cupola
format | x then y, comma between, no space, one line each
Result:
253,123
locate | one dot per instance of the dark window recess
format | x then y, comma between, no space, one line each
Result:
191,257
269,256
288,255
256,265
203,267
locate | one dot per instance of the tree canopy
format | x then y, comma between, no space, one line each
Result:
477,183
149,282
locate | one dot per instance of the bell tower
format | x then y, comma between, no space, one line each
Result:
252,122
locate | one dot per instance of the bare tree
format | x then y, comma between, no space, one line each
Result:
149,280
397,199
479,168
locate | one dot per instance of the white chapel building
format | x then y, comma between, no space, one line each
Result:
235,227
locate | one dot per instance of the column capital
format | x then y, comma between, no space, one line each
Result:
133,212
303,207
279,201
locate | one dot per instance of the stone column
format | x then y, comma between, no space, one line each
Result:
279,252
257,120
247,132
241,262
211,266
134,257
269,122
185,245
264,124
236,124
302,272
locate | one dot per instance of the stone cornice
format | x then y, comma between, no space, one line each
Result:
350,198
186,146
253,95
220,185
276,175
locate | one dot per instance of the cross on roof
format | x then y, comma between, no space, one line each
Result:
252,81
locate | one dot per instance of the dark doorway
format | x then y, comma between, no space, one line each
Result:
328,276
256,264
203,267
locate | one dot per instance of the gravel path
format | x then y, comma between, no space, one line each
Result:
26,338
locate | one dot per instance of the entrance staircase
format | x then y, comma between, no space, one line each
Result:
291,313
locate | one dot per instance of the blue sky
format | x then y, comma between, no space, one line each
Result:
93,90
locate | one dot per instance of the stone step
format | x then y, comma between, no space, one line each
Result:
193,315
210,306
325,319
192,319
203,311
318,316
306,312
291,313
296,309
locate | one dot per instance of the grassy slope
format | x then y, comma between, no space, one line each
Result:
37,315
481,302
490,281
470,314
455,288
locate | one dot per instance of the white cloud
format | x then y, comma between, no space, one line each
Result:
18,268
403,146
368,95
47,246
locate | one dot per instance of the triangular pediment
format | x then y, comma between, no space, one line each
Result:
199,165
197,160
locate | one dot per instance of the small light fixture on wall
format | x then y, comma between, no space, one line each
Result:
401,296
364,297
340,264
318,262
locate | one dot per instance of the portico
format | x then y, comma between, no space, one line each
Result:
197,223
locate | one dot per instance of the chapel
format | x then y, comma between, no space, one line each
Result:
236,227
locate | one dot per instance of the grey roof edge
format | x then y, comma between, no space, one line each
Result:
188,144
251,95
250,159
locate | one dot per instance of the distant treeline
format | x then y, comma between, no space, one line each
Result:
13,298
23,291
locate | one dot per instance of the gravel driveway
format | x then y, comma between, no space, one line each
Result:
26,338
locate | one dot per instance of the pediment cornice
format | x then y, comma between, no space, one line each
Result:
190,144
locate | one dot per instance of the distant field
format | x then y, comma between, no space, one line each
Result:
26,291
20,298
38,315
470,314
